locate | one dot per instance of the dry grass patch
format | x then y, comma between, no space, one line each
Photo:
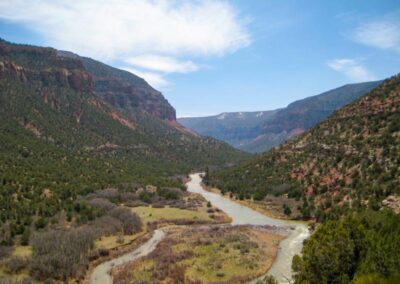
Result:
205,254
22,251
150,214
199,213
113,242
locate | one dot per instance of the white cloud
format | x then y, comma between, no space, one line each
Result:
162,64
154,79
352,69
112,29
147,34
383,34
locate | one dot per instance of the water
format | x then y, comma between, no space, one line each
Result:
101,274
242,215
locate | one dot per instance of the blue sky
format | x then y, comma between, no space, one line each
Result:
209,57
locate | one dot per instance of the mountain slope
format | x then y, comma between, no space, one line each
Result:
60,139
350,160
259,131
124,90
235,128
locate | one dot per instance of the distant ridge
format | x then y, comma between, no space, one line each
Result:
259,131
347,162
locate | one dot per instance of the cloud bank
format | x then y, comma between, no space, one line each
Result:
383,34
352,69
162,63
152,35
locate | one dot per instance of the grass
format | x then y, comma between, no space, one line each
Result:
22,251
205,254
15,278
150,214
215,262
110,242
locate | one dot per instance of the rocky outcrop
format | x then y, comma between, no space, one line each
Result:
130,98
75,79
392,202
124,90
50,67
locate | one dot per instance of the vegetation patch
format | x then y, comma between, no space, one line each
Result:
349,162
115,241
205,254
360,248
22,251
150,214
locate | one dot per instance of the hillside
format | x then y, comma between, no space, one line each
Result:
60,139
256,132
351,160
235,128
124,90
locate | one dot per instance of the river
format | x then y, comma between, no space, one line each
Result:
101,273
241,215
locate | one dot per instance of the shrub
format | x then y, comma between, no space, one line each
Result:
220,274
169,193
5,251
131,222
104,252
101,203
61,254
25,237
15,264
107,225
40,223
342,250
158,205
135,203
120,239
146,196
110,194
13,280
287,210
267,280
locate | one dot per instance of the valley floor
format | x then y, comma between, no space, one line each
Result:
272,206
217,253
205,254
188,240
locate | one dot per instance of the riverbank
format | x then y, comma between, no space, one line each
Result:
272,207
101,274
243,215
194,210
183,247
206,254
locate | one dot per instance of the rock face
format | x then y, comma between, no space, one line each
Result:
80,104
124,90
259,131
392,202
78,80
127,97
43,66
59,139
